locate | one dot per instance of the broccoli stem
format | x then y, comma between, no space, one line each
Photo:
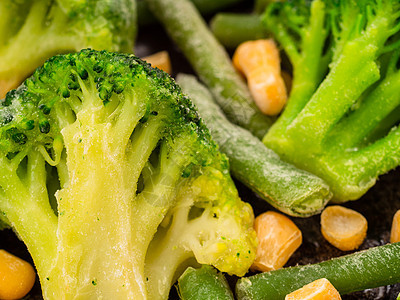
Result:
376,107
309,62
211,62
232,29
26,206
384,126
159,192
291,190
358,271
205,7
165,254
348,68
94,219
382,156
318,114
203,283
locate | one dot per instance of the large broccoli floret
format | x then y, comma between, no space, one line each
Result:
33,30
142,188
343,131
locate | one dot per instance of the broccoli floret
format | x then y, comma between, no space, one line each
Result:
302,29
142,188
31,31
344,130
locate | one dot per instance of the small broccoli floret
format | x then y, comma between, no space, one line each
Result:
344,131
141,187
33,30
302,29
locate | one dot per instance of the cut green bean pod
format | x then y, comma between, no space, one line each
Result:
366,269
211,62
232,29
205,7
293,191
203,284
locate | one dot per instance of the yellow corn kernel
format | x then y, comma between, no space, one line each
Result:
278,239
160,60
344,228
16,276
395,232
260,63
320,289
252,54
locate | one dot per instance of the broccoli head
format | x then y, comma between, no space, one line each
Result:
33,30
141,190
344,128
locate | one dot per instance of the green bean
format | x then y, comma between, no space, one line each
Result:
290,190
232,29
205,7
366,269
211,62
203,284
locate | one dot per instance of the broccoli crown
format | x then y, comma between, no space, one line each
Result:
36,30
35,114
345,126
141,186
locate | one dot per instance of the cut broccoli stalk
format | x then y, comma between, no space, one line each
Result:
334,128
33,31
133,160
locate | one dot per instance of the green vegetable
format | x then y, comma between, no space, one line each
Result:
211,62
202,284
290,190
232,29
33,30
330,124
141,187
260,5
3,225
205,7
355,272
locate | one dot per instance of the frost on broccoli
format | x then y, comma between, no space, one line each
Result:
33,30
344,127
141,189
